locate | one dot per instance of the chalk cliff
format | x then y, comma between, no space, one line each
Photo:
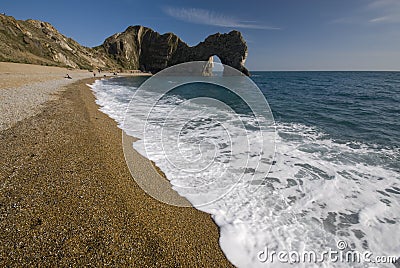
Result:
38,42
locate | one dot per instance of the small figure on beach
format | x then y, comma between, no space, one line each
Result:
67,76
94,74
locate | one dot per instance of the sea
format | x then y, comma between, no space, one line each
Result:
331,187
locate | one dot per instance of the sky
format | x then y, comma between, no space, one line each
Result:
280,34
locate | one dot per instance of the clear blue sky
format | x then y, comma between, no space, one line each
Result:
281,34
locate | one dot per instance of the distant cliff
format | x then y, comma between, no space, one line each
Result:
37,42
137,48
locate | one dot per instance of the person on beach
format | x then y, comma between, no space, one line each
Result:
67,76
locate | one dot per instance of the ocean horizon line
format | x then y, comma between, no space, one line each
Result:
324,70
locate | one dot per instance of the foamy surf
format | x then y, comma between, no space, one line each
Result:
318,192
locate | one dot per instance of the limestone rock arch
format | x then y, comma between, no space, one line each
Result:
142,48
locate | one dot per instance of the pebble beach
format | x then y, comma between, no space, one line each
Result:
67,197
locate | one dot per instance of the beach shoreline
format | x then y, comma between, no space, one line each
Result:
25,87
67,197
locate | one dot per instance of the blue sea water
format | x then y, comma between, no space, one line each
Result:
336,173
349,106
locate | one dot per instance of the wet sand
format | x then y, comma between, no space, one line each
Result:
67,197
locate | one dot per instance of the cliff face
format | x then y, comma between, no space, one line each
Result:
142,48
137,48
37,42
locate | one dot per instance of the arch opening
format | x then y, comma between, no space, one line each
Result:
217,66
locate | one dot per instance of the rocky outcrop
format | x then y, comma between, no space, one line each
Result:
137,48
142,48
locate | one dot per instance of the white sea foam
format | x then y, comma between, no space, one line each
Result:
317,192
